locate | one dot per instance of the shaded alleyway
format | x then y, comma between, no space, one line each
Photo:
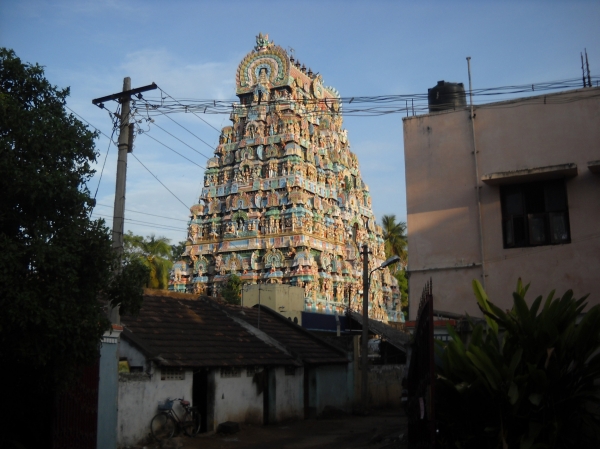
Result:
380,429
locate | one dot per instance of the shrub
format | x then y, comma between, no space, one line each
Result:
528,378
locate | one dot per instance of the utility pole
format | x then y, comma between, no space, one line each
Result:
125,146
364,359
108,368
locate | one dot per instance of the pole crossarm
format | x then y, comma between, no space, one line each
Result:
126,94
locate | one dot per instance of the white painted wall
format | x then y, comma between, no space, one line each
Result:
236,399
331,387
139,395
134,356
289,395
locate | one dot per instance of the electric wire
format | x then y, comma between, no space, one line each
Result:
110,141
150,106
155,225
136,158
175,137
146,213
191,111
365,105
174,151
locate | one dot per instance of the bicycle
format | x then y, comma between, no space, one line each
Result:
166,422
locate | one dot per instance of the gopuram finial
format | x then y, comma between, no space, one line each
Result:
262,42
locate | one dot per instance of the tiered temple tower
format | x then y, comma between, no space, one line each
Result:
283,200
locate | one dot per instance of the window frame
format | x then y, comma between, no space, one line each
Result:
540,203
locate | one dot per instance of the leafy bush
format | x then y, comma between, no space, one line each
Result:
528,378
232,290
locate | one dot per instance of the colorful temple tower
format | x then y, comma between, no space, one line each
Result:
283,200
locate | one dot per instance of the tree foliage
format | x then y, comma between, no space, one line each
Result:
56,263
527,378
394,237
232,290
177,251
153,252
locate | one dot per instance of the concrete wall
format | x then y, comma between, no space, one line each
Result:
443,221
107,391
139,395
331,388
385,385
237,399
285,299
289,398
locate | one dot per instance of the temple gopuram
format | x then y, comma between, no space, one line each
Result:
283,199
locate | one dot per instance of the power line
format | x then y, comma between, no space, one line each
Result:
175,137
145,213
136,158
110,141
148,105
363,105
156,225
191,111
174,151
97,129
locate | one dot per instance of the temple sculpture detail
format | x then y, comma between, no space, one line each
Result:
283,199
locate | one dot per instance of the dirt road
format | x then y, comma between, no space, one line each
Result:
380,429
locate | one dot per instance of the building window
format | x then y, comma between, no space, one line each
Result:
290,370
172,373
251,371
535,213
231,372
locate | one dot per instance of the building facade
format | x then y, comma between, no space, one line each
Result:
283,198
515,192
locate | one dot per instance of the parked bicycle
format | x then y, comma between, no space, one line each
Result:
167,421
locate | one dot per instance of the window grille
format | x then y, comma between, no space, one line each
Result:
231,372
534,214
172,373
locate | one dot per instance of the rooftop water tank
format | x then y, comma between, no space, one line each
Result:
446,96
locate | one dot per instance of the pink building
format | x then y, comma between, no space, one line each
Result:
513,193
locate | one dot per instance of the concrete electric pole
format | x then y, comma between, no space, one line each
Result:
364,356
125,146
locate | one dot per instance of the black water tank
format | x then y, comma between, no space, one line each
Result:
446,96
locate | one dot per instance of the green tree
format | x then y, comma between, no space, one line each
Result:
527,378
56,263
177,251
400,276
232,290
155,254
395,242
394,237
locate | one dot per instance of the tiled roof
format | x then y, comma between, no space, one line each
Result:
186,331
397,338
307,347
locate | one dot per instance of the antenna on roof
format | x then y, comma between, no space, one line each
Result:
582,70
588,69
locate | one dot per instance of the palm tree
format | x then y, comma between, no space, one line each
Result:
394,236
155,253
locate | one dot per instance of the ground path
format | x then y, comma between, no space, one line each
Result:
379,429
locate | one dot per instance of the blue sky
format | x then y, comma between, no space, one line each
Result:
191,49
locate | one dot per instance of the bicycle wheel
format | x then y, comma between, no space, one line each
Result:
191,422
162,426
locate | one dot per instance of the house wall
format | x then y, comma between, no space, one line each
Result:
289,399
385,385
134,356
285,299
107,391
139,395
237,399
443,220
331,388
